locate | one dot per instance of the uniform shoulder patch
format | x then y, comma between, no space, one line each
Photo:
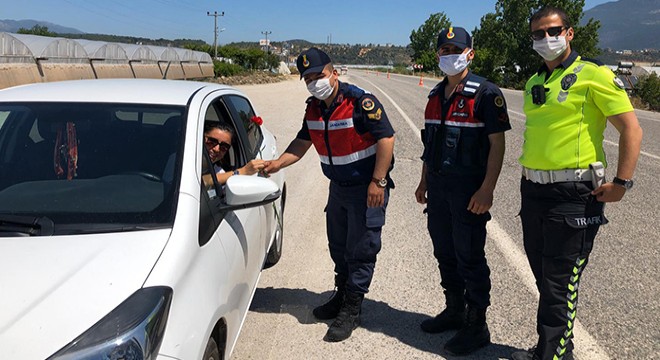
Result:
618,82
368,104
499,101
375,115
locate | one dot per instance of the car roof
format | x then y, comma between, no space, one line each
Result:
137,91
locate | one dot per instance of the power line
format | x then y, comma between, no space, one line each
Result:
267,44
215,31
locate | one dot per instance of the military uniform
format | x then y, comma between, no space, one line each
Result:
560,217
456,148
345,135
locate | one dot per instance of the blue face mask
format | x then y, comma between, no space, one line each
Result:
453,64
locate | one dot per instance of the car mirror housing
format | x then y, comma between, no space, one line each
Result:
242,191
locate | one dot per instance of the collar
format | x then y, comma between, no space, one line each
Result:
564,64
459,87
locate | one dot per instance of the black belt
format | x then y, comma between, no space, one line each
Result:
351,183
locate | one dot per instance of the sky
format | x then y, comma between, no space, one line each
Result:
340,21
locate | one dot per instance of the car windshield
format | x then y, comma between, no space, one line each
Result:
86,167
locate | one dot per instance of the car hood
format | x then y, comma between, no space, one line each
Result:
52,289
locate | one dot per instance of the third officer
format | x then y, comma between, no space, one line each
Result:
465,121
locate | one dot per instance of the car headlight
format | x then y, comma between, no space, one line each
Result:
132,331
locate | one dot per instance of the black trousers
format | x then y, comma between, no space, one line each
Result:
559,223
459,237
354,232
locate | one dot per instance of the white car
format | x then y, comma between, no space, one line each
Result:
114,244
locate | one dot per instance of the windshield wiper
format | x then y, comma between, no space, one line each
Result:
22,225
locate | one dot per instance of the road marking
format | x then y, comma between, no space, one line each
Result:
412,125
605,141
586,347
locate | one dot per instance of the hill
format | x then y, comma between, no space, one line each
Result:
627,24
12,26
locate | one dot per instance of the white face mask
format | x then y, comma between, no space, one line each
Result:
453,64
321,88
550,47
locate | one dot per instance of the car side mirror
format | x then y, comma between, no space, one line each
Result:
242,191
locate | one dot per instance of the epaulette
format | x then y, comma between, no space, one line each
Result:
595,61
472,84
354,91
309,100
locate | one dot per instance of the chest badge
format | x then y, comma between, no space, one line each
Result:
461,103
368,104
568,81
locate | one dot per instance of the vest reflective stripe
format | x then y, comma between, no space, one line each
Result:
455,123
356,156
332,125
346,144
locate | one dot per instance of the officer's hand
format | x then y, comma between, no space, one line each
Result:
375,195
420,193
253,166
609,192
481,201
272,167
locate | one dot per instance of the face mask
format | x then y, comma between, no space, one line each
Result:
550,47
321,88
453,64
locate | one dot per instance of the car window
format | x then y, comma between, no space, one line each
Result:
91,167
213,192
243,113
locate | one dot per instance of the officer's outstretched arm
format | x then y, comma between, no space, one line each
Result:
294,152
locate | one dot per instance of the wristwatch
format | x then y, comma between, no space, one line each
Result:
381,183
626,183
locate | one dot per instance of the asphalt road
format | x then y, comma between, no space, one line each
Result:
618,312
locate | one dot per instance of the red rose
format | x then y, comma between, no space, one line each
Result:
257,120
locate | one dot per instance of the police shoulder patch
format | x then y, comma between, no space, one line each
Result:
368,104
499,101
618,82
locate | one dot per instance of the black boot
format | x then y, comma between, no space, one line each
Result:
330,309
347,320
473,335
449,319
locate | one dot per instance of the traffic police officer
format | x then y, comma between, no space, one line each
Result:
567,103
465,121
355,141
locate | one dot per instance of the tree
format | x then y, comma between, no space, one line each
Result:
37,30
423,41
648,89
504,49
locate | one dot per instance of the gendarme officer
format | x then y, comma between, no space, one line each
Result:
567,104
355,141
465,121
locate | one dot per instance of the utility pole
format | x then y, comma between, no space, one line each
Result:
215,31
267,44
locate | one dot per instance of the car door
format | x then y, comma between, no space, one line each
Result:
239,231
243,113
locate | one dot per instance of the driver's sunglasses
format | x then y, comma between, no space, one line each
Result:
553,31
214,142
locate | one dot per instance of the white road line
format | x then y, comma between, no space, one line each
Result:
605,141
586,347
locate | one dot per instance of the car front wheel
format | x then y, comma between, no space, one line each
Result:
212,352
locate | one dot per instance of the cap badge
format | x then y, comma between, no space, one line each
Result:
305,61
450,33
